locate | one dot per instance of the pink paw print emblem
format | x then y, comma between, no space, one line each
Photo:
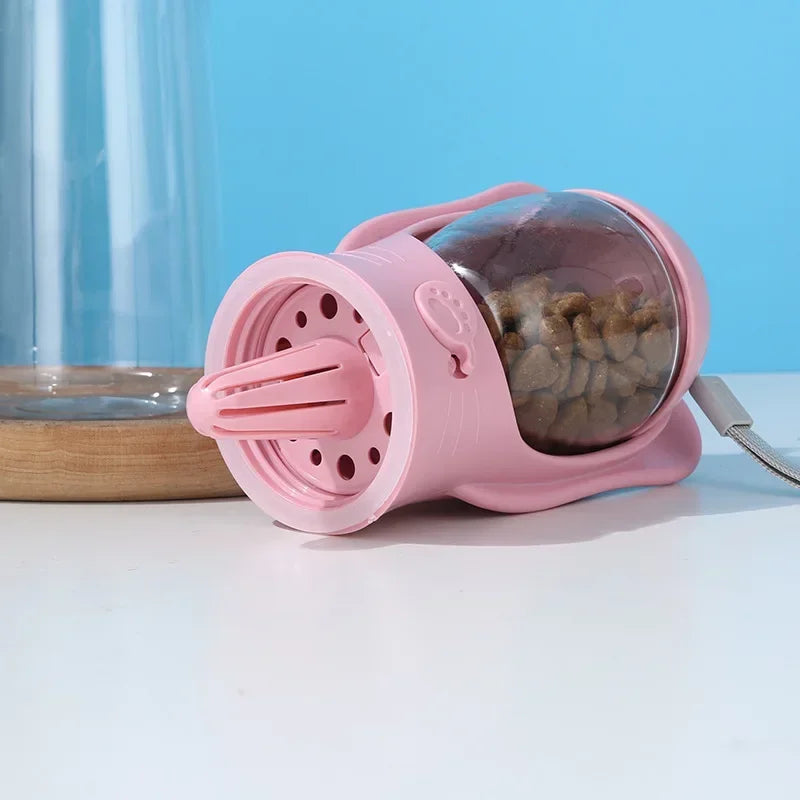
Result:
452,320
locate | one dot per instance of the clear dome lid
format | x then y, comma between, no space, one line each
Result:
582,310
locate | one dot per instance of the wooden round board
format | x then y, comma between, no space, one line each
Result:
162,458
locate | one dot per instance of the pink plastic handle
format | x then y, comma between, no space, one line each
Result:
316,390
385,225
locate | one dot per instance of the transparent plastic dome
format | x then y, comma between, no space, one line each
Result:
581,307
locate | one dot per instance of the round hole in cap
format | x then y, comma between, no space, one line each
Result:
301,319
328,306
374,455
316,457
387,423
282,344
346,467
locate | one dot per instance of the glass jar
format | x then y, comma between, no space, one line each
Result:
582,309
108,249
108,223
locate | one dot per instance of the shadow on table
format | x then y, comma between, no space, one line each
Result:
722,484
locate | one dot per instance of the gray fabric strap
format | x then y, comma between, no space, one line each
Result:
765,455
730,418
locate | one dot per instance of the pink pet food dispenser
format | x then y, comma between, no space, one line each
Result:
517,349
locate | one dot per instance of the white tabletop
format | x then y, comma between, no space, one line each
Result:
640,645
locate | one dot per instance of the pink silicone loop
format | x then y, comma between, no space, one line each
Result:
385,225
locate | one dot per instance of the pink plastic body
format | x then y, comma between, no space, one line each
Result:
453,430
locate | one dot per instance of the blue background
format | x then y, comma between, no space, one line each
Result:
332,112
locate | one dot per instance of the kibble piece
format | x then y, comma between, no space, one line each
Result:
647,315
620,383
538,414
665,303
510,348
491,322
579,377
571,420
650,301
619,336
534,369
598,379
623,302
587,338
635,366
555,333
564,372
568,304
532,295
513,340
504,308
530,322
600,309
655,346
535,288
513,343
651,379
518,399
633,411
602,415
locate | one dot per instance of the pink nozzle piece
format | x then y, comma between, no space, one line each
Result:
319,389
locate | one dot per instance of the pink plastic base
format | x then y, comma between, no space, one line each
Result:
453,430
669,457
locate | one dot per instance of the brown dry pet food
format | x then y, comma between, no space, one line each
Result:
647,315
619,336
568,304
635,410
635,366
518,399
598,379
534,369
620,382
599,309
623,302
530,323
572,418
579,377
513,342
650,379
510,348
602,415
587,338
564,372
579,367
655,345
649,301
491,322
532,294
504,307
535,288
556,333
538,414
